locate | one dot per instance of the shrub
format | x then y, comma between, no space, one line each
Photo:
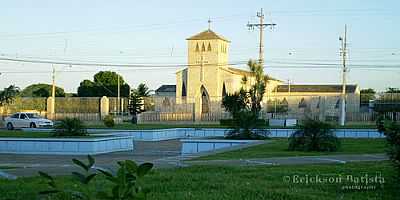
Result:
314,135
109,121
245,127
392,133
70,127
125,182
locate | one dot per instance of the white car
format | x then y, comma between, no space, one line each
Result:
26,120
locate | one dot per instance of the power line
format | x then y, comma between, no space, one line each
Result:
123,65
283,65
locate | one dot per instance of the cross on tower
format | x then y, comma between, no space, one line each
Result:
209,24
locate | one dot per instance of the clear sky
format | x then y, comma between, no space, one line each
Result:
151,32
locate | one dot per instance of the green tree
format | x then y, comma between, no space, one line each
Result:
105,83
87,89
245,105
8,95
108,78
135,106
142,90
392,132
257,90
234,103
41,90
388,102
366,95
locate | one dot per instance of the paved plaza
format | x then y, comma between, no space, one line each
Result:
163,154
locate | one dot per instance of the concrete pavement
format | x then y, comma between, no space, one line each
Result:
163,154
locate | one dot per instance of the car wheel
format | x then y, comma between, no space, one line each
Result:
33,125
10,126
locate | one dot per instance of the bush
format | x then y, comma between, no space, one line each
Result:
245,128
314,135
109,121
70,127
392,133
126,182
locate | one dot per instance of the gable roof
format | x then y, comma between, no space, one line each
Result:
166,88
317,88
248,73
207,35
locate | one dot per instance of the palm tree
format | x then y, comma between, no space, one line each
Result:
256,91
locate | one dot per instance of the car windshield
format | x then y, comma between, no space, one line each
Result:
33,115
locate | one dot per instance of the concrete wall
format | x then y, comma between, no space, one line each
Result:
192,146
65,146
180,133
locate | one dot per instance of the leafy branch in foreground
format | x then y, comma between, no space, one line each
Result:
125,184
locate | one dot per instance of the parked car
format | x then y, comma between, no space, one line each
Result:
26,120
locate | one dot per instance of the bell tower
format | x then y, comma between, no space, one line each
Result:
207,53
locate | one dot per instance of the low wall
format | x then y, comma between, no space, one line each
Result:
341,133
191,146
65,146
180,133
165,134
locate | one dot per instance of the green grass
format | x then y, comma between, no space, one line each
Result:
278,148
236,183
26,134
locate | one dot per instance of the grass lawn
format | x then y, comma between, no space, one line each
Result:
26,134
239,183
277,147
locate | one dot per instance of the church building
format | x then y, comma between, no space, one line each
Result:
208,77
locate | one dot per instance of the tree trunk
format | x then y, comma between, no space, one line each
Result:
134,119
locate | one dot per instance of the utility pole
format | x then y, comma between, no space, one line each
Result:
53,93
118,97
288,100
261,25
343,54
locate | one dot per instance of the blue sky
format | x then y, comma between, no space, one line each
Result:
155,31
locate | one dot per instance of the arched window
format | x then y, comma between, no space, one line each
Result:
303,103
319,102
209,47
223,90
284,102
197,47
203,48
183,89
205,100
337,103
